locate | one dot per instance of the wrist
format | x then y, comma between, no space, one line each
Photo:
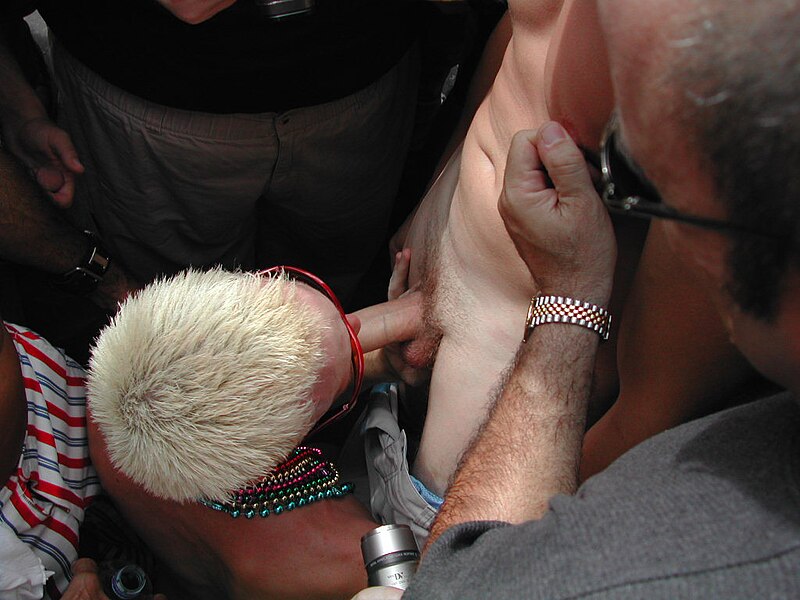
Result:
24,113
550,309
597,292
85,277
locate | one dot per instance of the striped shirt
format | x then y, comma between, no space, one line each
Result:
43,503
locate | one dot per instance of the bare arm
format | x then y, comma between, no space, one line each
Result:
45,149
529,448
12,406
481,83
25,215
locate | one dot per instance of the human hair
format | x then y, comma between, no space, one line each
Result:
202,382
740,87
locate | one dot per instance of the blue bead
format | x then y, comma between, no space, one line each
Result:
301,502
278,509
264,512
250,514
291,506
235,513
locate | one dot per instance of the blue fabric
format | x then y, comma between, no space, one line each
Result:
427,495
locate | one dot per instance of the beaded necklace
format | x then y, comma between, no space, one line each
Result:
303,478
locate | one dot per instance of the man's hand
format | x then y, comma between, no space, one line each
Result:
48,153
379,593
529,448
393,353
552,212
86,583
195,11
384,327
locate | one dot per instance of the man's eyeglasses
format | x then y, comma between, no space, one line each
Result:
316,283
626,191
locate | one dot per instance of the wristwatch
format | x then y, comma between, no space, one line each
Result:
84,278
559,309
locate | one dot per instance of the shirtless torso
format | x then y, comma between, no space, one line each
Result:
476,285
311,552
477,289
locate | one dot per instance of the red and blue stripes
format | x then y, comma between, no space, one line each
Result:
44,501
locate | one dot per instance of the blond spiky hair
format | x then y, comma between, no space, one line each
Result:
202,382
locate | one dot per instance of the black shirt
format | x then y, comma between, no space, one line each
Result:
239,60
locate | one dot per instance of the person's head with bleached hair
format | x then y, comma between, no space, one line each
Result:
203,381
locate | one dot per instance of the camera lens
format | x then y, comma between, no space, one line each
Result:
390,555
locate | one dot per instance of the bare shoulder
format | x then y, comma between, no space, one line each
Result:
534,14
313,551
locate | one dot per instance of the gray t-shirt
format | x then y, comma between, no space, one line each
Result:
710,509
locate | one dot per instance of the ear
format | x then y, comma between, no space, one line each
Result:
711,255
704,253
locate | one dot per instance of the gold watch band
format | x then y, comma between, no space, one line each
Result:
559,309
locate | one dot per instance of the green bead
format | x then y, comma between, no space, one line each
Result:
301,502
278,509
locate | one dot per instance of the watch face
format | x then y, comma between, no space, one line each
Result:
84,278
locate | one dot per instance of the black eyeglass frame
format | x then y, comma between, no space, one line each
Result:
648,207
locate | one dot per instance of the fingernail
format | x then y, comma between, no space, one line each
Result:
552,133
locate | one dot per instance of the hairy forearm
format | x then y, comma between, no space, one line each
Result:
26,215
529,448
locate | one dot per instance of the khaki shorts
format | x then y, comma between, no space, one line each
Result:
168,188
378,448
